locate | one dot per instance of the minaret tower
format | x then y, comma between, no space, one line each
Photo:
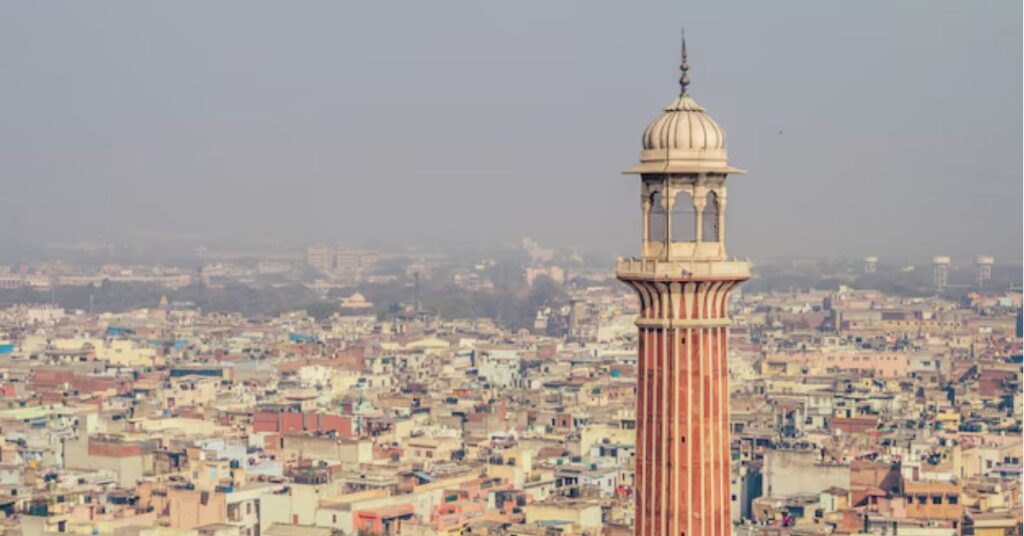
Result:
683,279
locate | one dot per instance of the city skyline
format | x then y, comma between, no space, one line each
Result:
894,136
318,269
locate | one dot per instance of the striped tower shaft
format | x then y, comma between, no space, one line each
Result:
682,437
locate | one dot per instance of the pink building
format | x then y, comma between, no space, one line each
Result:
887,365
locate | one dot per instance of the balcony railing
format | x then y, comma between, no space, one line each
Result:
682,269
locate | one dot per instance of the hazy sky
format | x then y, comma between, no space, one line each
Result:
484,121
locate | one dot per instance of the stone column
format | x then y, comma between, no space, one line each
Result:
669,200
721,218
645,207
700,201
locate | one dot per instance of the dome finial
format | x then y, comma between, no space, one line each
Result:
684,67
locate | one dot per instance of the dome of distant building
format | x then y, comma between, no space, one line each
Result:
356,302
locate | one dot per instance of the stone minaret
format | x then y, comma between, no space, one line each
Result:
683,279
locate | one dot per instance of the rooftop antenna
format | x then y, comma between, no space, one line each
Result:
684,67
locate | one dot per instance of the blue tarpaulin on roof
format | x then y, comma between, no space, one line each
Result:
117,331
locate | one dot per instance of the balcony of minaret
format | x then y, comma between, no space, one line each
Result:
682,270
683,217
683,230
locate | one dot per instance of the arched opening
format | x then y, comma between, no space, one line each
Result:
656,219
709,225
683,224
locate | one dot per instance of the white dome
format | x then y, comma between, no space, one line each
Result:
685,127
684,139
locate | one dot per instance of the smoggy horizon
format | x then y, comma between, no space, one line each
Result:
866,129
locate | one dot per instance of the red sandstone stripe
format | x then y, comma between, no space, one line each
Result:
638,462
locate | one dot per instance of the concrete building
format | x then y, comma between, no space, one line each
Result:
940,272
870,264
983,268
320,257
586,515
683,279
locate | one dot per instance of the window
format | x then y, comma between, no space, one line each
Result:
953,499
937,499
683,219
656,219
710,221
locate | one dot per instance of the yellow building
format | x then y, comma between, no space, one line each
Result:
584,515
996,525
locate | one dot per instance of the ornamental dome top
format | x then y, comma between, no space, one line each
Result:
684,139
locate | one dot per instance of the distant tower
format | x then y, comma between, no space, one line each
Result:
416,277
941,272
870,264
683,279
983,266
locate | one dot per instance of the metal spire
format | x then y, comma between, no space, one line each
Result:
684,68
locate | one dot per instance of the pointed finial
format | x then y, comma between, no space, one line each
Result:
684,68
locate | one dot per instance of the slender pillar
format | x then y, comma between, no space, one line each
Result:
682,459
721,216
645,207
698,217
670,202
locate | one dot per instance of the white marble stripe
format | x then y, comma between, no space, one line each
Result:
689,431
646,424
700,417
663,446
639,469
713,399
674,472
